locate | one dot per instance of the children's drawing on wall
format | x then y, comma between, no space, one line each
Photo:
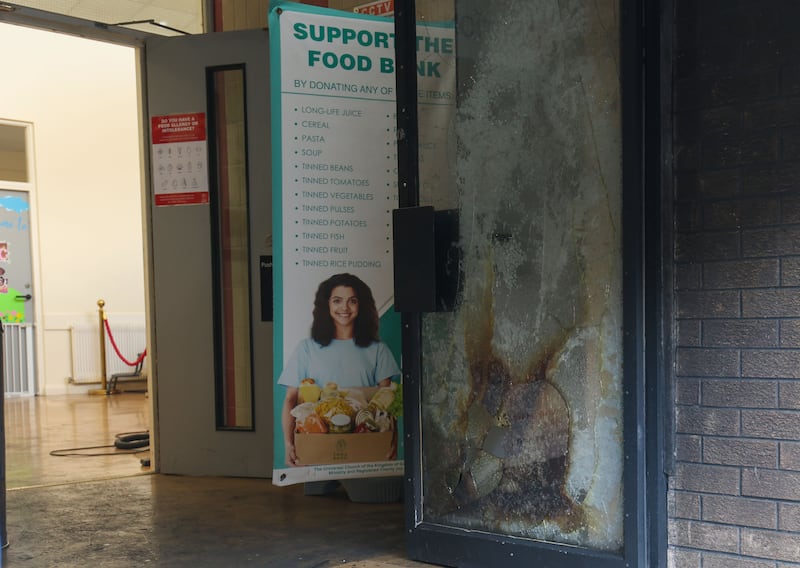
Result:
11,309
14,235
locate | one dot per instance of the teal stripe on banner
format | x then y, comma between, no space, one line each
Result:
277,230
277,191
391,333
311,9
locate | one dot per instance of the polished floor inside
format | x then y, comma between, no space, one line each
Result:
74,499
81,430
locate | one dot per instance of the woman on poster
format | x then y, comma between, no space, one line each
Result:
344,348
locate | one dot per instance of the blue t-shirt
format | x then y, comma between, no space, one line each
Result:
342,362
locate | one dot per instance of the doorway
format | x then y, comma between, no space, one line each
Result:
17,307
181,321
83,198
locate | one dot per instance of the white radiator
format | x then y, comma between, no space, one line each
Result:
18,360
130,339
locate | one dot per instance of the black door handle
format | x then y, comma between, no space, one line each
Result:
24,298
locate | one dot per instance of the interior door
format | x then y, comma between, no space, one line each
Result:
16,275
523,347
16,292
209,207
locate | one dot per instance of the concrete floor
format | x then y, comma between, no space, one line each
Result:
110,511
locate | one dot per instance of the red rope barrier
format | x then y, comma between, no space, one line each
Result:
120,355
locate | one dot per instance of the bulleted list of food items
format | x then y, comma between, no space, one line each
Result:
338,198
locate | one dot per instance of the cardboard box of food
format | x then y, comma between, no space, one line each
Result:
319,449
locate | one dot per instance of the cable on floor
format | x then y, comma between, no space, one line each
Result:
125,443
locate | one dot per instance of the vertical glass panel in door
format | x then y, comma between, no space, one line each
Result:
16,293
522,409
13,153
234,378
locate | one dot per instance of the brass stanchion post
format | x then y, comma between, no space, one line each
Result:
103,379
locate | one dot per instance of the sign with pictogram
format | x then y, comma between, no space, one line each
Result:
180,159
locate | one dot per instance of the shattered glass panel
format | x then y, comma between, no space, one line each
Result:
522,382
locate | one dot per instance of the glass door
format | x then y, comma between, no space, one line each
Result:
517,254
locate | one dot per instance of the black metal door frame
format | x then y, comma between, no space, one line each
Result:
644,92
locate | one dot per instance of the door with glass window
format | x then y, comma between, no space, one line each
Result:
521,241
209,204
16,274
17,313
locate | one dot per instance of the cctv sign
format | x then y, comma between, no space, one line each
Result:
379,8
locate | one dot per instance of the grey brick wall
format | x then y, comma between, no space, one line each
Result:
734,497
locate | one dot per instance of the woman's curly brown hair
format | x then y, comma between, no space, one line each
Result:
365,328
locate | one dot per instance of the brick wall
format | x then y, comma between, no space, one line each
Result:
735,495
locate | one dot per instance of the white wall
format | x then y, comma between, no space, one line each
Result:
81,97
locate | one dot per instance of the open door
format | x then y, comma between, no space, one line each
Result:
523,349
209,207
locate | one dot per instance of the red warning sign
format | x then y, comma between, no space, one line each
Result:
180,159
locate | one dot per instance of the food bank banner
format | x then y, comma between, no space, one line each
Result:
338,403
